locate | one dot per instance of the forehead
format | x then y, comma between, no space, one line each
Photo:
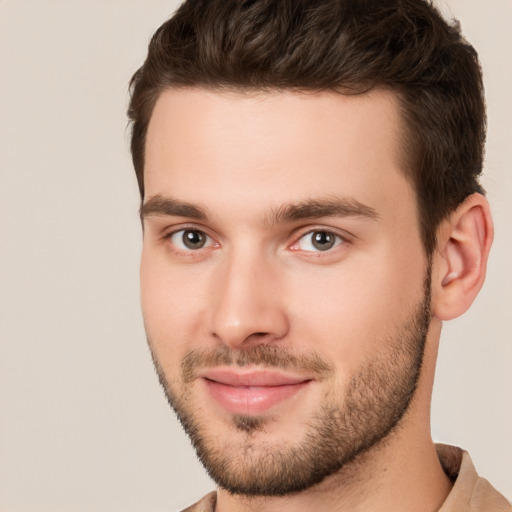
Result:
210,147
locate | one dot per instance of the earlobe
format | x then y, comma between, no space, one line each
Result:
464,241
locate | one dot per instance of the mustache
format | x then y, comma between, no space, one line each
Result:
268,356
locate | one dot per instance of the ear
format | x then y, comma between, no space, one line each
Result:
460,260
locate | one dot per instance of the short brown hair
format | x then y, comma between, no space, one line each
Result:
348,46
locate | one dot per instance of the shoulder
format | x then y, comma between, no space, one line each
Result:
470,492
206,504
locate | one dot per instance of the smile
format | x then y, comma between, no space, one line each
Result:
253,392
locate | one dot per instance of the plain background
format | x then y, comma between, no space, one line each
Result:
84,425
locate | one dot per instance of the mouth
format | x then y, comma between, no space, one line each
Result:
251,392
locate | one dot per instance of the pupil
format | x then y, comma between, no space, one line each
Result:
193,239
323,240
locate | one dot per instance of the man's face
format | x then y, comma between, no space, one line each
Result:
285,290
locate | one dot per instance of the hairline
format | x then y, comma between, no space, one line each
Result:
403,139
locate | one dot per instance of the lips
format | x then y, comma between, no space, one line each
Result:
251,392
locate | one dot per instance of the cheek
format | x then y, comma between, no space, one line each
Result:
343,320
170,307
348,312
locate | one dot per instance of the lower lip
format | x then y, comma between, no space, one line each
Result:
251,400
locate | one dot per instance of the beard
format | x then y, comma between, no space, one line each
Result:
371,408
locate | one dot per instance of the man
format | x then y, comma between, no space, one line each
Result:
312,214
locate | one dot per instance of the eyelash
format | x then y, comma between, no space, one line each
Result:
188,251
211,244
338,240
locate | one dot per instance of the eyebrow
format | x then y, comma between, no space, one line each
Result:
309,209
160,206
333,206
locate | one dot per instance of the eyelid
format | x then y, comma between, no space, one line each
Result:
343,236
185,226
174,230
170,231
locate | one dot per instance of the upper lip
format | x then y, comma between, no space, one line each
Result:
254,377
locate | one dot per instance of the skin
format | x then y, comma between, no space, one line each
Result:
240,158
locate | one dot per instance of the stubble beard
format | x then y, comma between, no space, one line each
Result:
375,402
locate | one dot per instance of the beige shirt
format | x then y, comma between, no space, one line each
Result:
470,493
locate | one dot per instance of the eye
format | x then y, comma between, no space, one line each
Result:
318,241
190,239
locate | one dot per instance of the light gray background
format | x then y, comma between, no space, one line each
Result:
83,423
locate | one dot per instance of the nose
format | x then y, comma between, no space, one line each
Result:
247,306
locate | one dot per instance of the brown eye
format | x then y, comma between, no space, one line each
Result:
193,239
190,239
319,241
323,240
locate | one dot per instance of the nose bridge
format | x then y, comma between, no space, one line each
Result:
247,308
